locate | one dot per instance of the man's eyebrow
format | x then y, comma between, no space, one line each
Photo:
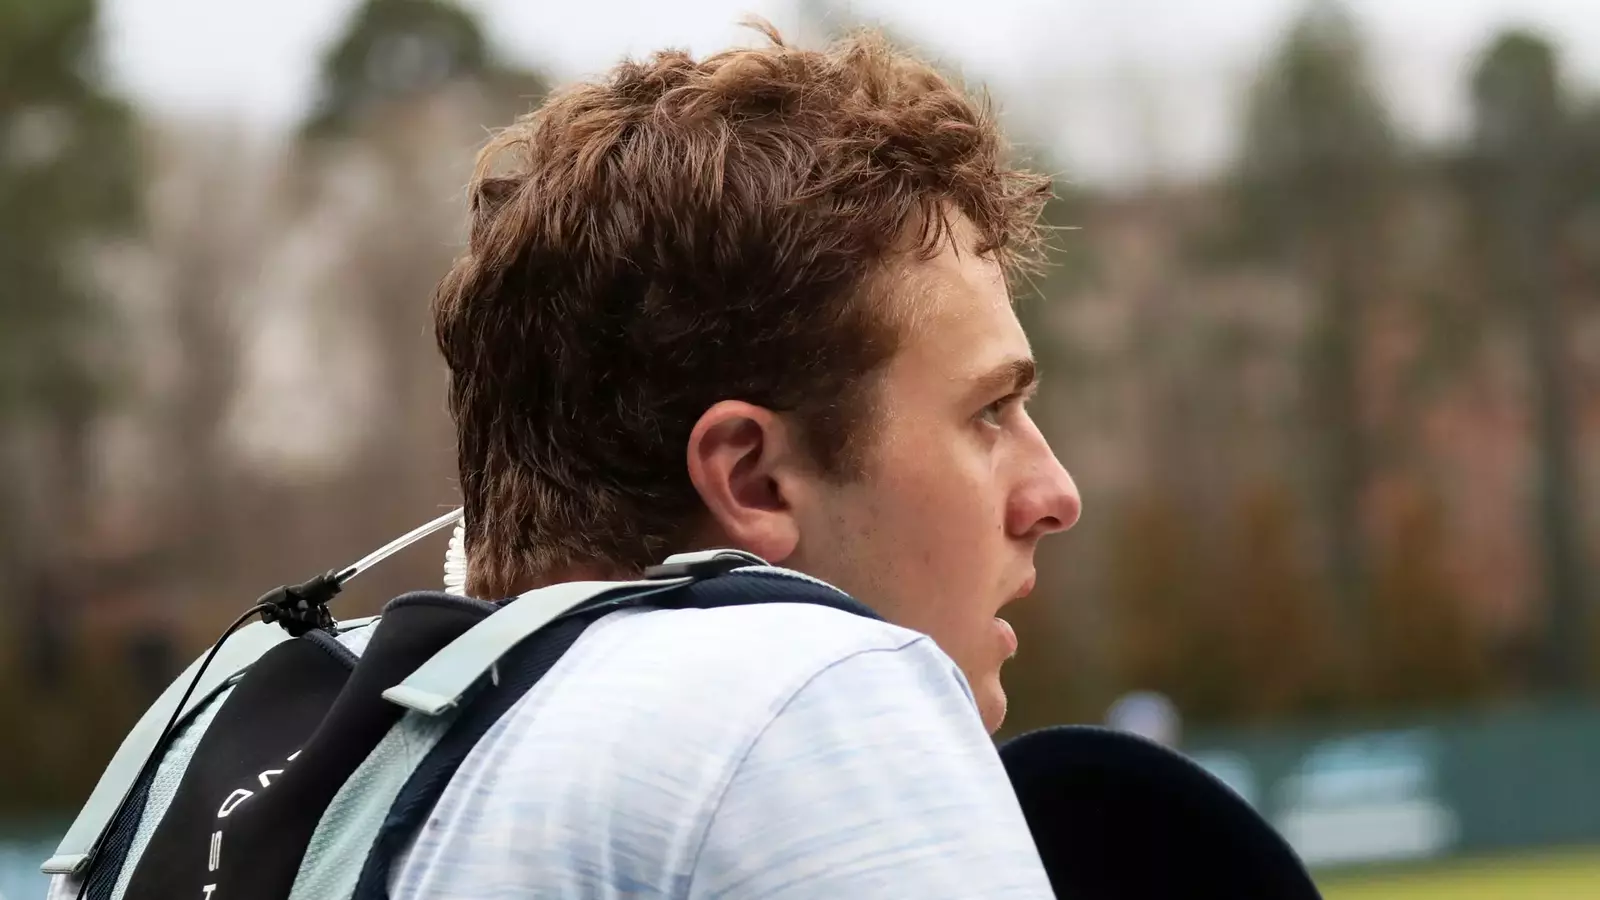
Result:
1015,376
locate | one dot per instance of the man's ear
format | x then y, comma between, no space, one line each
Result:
742,461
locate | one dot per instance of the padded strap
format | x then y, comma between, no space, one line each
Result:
84,837
438,684
527,662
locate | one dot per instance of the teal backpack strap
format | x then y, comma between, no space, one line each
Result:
87,831
438,684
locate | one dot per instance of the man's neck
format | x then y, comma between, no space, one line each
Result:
570,573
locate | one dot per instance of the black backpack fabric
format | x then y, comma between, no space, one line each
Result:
288,736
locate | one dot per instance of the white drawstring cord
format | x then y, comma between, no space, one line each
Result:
455,561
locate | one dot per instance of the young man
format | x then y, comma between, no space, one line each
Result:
758,301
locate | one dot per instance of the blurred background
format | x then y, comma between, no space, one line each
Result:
1321,342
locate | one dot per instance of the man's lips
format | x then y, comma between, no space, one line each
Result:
1008,635
1025,589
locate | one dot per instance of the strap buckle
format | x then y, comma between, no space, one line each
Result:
702,564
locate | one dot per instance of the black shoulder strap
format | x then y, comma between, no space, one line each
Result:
299,722
528,662
299,678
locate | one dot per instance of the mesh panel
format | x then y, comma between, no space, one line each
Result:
339,846
164,786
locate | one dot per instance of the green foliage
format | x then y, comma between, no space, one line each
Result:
1522,148
1426,651
68,173
1223,616
1517,105
1318,144
393,51
58,739
396,51
1314,190
1318,597
1583,161
1524,151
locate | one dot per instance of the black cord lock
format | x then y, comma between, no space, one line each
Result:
302,607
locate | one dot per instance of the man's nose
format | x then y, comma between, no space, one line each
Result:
1047,501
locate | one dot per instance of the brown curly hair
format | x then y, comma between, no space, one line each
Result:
685,232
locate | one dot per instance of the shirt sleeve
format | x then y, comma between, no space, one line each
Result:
876,780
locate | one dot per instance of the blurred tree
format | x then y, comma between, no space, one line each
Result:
203,259
1522,145
69,180
1313,187
397,51
1222,616
68,176
1278,632
405,96
1425,648
1162,636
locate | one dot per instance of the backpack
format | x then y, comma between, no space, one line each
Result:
300,755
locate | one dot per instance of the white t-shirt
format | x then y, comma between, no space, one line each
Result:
773,751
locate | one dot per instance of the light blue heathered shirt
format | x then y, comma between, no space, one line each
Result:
773,751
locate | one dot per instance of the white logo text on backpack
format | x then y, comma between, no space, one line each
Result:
229,804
